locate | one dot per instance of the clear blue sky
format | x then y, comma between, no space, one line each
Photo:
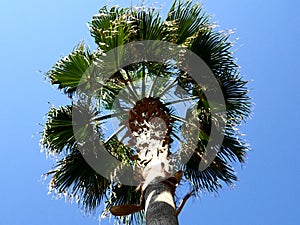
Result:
34,34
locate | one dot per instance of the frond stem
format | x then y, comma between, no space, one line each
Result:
154,82
131,88
109,116
177,137
181,100
143,82
171,85
114,134
128,100
179,119
182,203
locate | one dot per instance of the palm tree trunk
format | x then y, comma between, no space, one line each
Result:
160,207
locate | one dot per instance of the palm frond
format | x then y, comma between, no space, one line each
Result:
212,177
58,132
149,25
73,177
112,28
232,149
214,49
70,70
188,18
119,150
235,92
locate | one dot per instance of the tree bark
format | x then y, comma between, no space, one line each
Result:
160,206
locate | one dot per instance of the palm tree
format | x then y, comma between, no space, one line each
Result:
150,126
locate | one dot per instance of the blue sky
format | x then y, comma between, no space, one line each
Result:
34,34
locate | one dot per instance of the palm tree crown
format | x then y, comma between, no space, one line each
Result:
187,26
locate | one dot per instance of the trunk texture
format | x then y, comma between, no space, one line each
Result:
160,207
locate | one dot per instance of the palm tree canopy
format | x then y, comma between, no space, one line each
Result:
185,25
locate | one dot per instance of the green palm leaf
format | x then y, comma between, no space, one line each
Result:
70,70
188,18
58,132
73,177
215,50
149,25
112,28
